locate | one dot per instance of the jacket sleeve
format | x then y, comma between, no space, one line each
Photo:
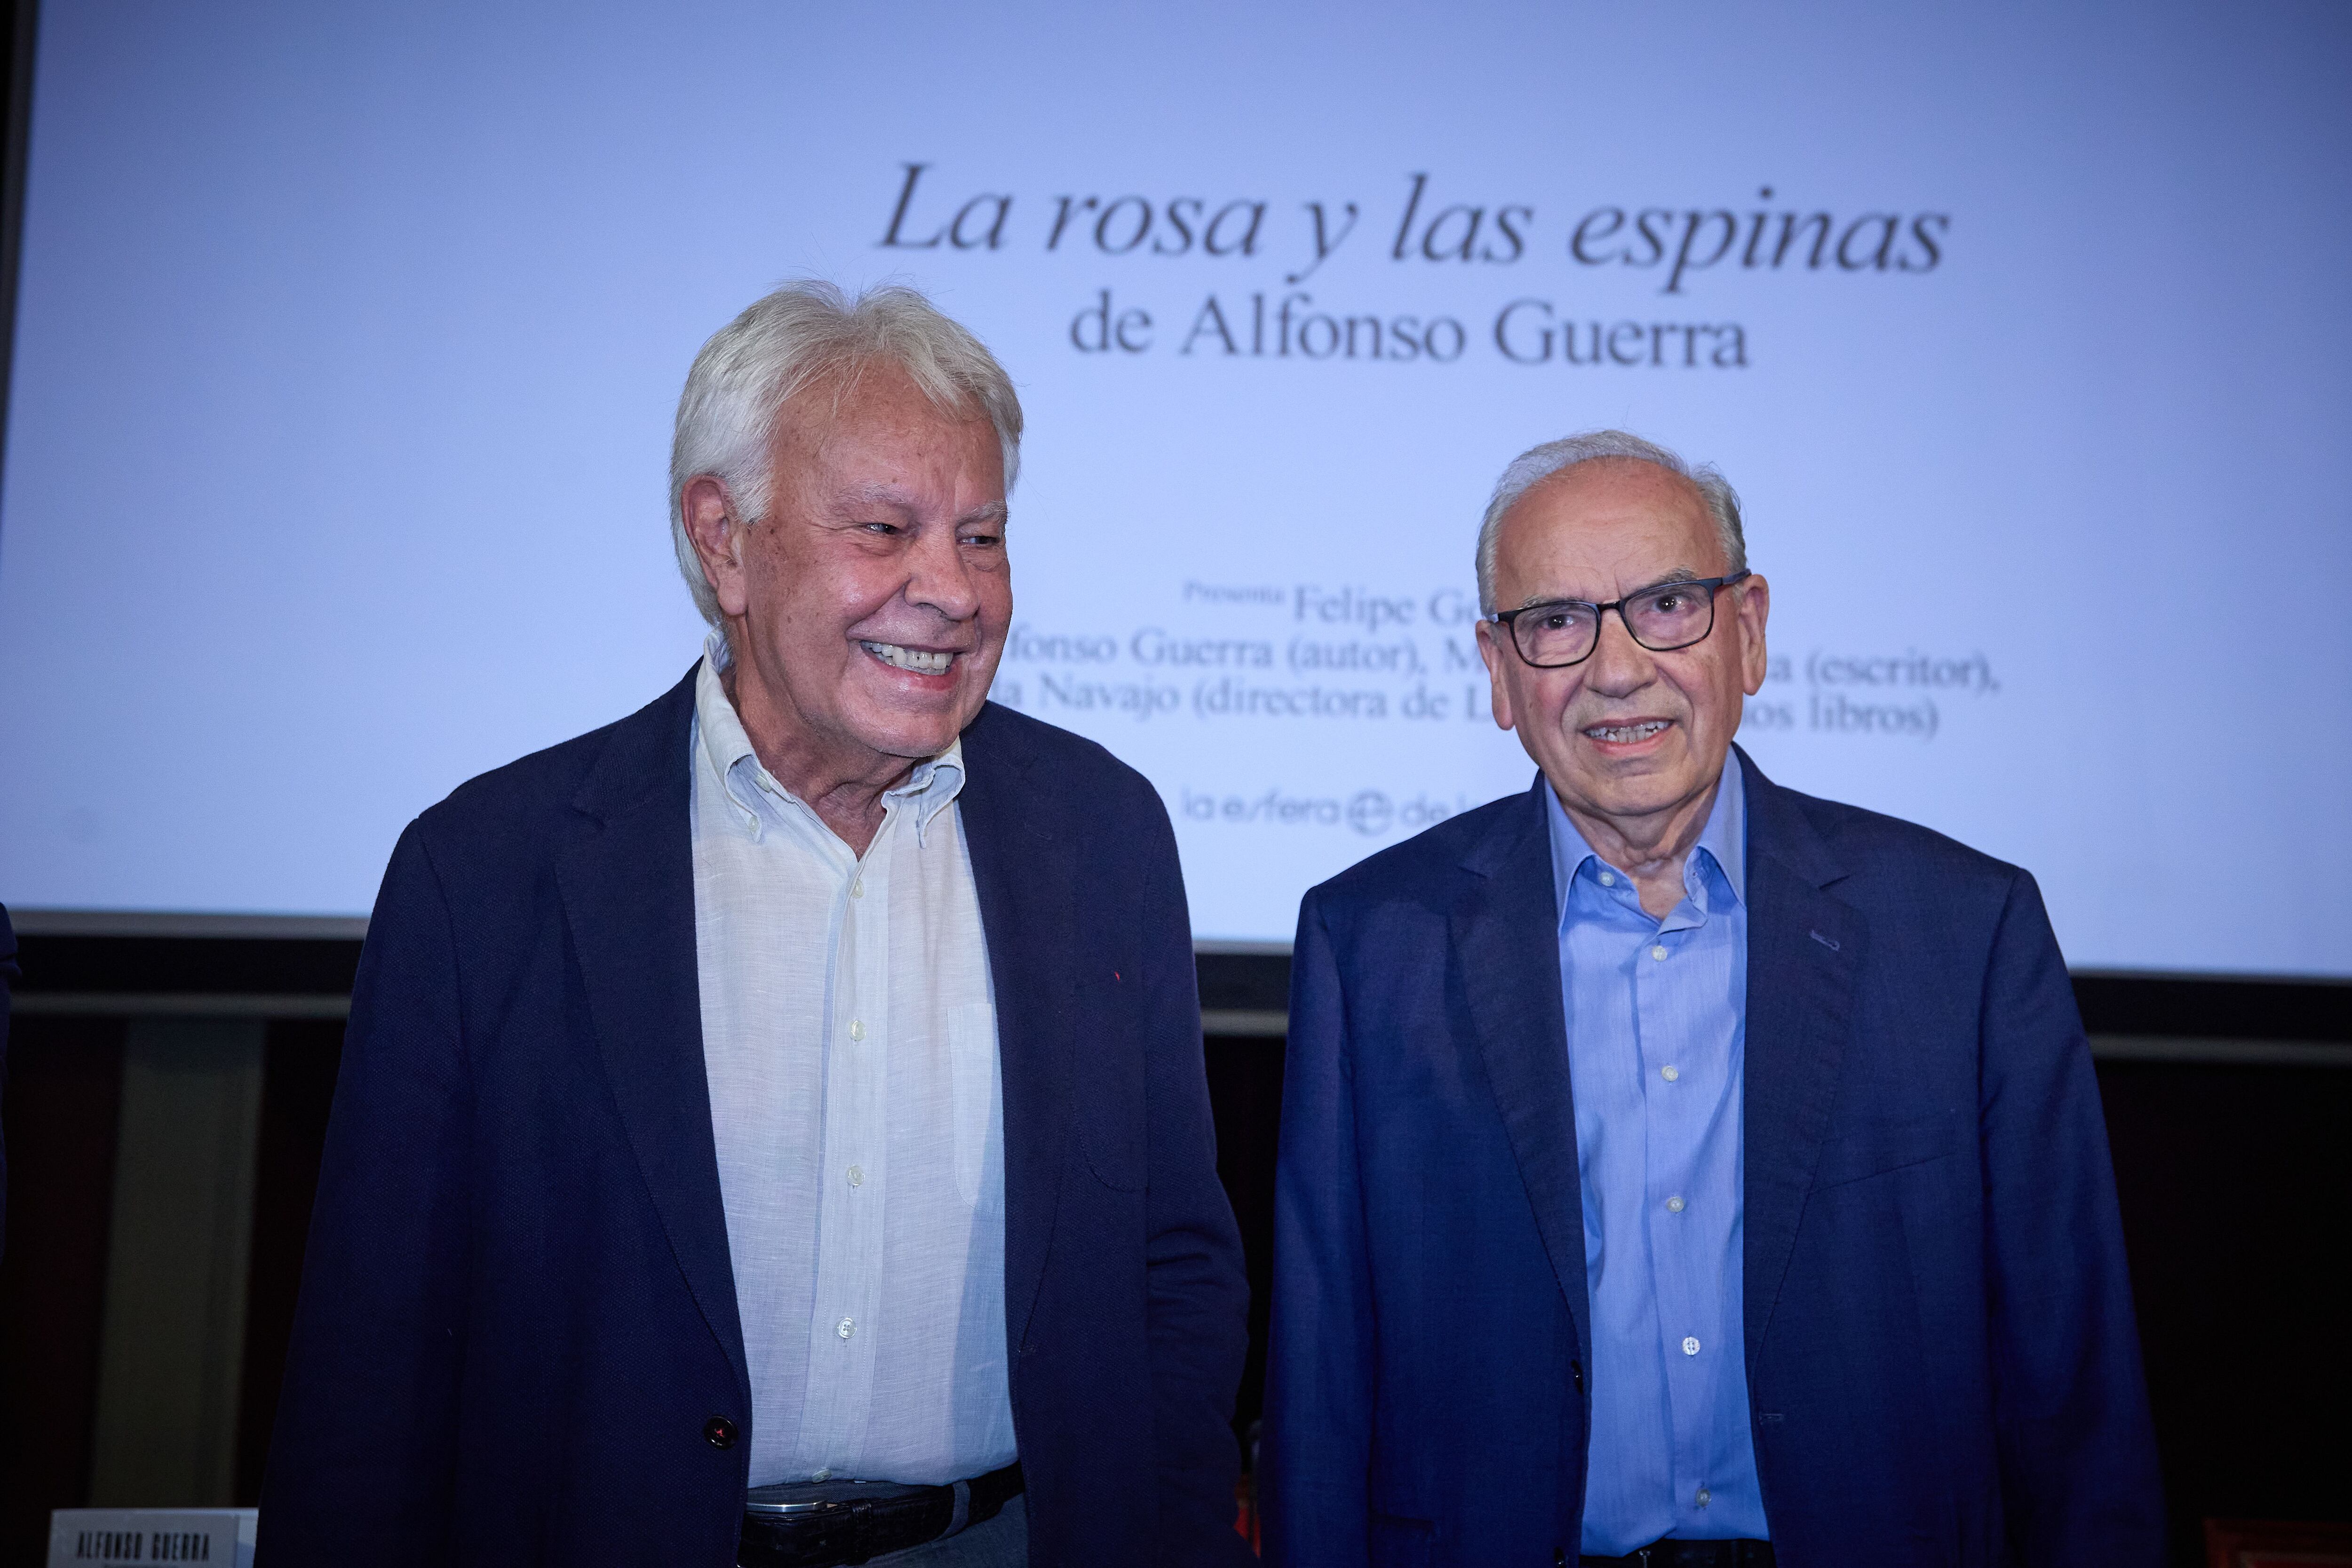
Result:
362,1460
1197,1294
2079,1477
1316,1453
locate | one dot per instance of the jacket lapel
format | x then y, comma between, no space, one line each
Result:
1805,951
1506,930
627,883
1028,912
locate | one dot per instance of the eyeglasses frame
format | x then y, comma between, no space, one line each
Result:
1504,618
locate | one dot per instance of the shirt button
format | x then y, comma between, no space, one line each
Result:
1670,1074
857,1177
857,1028
823,1475
848,1326
857,889
1608,878
1690,1347
1659,951
1674,1206
1704,1497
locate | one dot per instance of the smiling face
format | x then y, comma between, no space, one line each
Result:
1632,741
866,612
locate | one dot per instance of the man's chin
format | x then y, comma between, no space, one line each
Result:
1633,787
912,732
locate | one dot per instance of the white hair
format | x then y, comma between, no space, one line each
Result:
1537,464
803,334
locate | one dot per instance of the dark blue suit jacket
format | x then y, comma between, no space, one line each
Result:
1942,1362
517,1316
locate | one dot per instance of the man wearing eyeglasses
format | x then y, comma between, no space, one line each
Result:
1677,1169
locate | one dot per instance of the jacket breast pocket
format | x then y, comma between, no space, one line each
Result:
1110,1099
1870,1152
1400,1543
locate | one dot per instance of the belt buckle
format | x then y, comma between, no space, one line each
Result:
799,1500
842,1519
784,1510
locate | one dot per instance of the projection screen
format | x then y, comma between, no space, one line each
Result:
348,340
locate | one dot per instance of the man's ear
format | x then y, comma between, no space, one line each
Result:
1492,652
1755,608
717,534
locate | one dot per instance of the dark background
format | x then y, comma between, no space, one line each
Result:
2237,1206
2237,1211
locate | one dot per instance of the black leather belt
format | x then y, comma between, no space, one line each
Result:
815,1524
1671,1553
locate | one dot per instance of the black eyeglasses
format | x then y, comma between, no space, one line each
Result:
1563,632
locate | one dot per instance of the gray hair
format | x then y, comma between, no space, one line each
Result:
803,334
1537,464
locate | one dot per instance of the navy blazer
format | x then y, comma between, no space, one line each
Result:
518,1342
1942,1362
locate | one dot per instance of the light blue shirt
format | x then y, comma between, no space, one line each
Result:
1657,1021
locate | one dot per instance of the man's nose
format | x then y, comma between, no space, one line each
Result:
940,577
1619,665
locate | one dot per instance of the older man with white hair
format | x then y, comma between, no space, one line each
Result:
1678,1170
773,1128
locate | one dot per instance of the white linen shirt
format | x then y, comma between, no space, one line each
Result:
849,1036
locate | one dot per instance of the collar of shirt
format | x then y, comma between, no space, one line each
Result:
1716,869
930,790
